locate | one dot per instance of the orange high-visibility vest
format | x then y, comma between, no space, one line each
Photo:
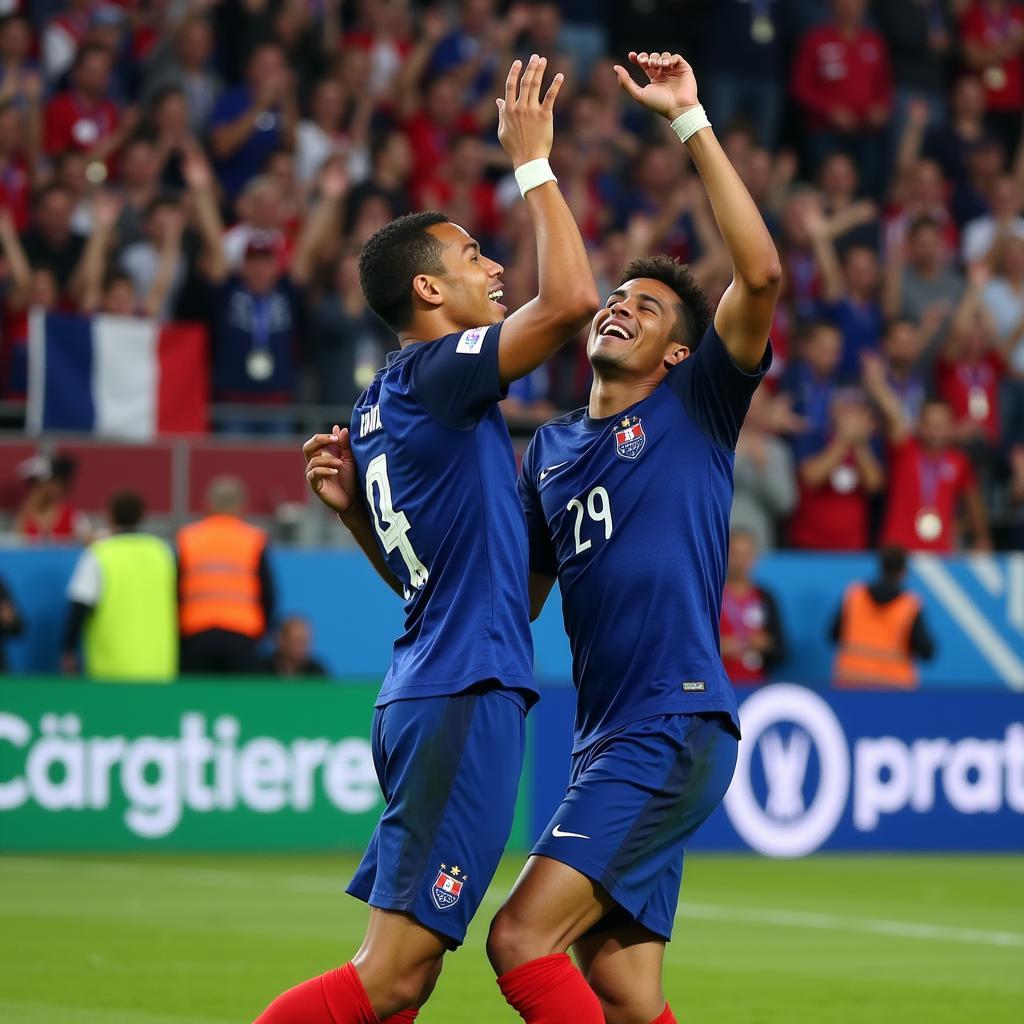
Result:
218,576
874,641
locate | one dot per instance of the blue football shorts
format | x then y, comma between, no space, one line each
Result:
449,769
634,800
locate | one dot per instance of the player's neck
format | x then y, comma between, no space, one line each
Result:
608,397
428,328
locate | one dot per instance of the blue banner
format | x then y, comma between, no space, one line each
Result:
847,771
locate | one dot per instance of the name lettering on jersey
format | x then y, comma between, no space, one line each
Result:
369,421
694,687
629,437
471,341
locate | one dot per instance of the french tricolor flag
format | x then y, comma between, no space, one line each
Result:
121,377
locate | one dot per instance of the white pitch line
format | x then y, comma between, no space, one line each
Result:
838,923
495,896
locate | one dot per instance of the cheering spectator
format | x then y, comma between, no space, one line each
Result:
811,380
155,263
258,309
765,485
1004,220
852,221
252,120
928,480
992,32
291,658
349,342
50,241
851,299
181,61
968,374
921,286
880,630
324,133
838,480
15,164
1003,298
841,81
951,141
83,117
751,630
263,213
898,367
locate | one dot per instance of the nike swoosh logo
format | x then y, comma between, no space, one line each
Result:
559,834
551,469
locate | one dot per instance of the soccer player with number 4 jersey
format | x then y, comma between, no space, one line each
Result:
425,480
627,504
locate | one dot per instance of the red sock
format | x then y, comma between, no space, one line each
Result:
405,1017
550,990
337,997
666,1017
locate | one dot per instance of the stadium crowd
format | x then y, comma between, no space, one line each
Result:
223,161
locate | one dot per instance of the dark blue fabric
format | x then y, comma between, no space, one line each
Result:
67,395
235,336
248,160
638,533
449,769
429,431
634,801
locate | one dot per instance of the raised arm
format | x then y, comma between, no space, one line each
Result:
567,293
17,262
170,257
321,224
199,178
744,315
87,282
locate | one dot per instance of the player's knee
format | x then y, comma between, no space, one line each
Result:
633,1003
511,942
391,988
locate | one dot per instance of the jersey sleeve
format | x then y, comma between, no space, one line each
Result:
456,378
542,548
714,391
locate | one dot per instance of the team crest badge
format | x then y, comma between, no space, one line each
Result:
629,437
447,887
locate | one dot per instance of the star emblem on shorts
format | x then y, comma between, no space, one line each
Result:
456,870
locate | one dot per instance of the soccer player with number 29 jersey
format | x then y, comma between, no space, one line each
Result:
627,504
425,481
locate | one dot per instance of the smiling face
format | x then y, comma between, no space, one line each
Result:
471,287
638,332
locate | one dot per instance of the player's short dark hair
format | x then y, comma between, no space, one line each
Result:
693,311
126,509
893,561
392,257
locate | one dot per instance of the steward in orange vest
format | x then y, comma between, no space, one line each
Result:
880,630
226,592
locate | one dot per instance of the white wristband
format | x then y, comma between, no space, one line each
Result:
686,124
532,174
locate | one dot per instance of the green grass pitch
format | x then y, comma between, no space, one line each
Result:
209,940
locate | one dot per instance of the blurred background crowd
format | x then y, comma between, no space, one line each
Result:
222,161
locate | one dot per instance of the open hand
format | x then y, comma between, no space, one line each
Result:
331,469
671,88
526,126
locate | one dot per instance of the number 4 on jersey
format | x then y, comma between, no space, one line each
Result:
395,534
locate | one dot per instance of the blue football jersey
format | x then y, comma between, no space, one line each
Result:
435,460
631,513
